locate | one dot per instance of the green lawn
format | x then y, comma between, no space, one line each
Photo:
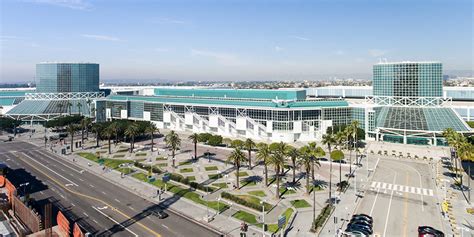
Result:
300,203
89,156
112,163
255,200
274,227
140,154
160,158
103,151
184,192
246,217
258,193
186,170
210,168
247,183
187,162
220,185
285,191
214,176
243,174
162,164
191,178
118,156
122,149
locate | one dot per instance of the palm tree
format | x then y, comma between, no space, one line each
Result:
79,106
85,123
173,141
131,132
338,155
60,108
340,138
249,144
114,126
306,160
354,129
89,102
69,106
312,150
194,138
236,157
293,153
71,129
328,139
277,160
264,154
97,128
108,132
151,129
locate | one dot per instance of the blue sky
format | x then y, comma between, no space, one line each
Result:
231,39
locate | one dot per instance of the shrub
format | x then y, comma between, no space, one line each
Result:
214,140
237,143
204,137
242,201
181,179
154,169
321,218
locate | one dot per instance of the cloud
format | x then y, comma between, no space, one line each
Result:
278,48
166,20
299,37
339,52
219,57
72,4
101,37
377,52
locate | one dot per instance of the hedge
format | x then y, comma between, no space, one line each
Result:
241,201
323,215
154,169
181,179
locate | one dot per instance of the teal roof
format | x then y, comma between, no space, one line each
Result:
295,94
29,107
421,119
232,102
13,97
14,93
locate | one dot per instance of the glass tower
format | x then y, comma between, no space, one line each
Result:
67,77
408,79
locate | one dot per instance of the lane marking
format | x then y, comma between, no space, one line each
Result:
117,200
430,192
165,226
389,207
373,184
92,186
390,187
418,190
85,214
116,222
50,170
93,198
384,185
375,200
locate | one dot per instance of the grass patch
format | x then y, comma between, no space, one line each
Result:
191,178
118,156
286,191
140,154
214,176
162,164
210,168
160,158
247,183
300,203
186,170
125,170
102,151
220,185
274,227
255,200
258,193
243,174
112,163
89,156
187,162
246,217
122,149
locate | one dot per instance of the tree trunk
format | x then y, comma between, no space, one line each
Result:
312,169
151,142
350,161
172,154
131,145
340,172
82,136
97,139
307,181
294,170
278,182
250,159
109,147
195,150
266,172
330,173
237,175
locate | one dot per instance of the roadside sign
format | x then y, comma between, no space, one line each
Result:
281,221
166,177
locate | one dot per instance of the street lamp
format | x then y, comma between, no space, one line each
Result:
263,217
218,209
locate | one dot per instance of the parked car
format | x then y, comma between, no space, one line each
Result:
357,229
361,221
360,227
428,231
364,218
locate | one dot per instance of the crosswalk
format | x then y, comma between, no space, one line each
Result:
401,188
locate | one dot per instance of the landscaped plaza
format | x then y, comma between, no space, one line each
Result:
206,177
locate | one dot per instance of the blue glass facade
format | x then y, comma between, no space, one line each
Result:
408,79
67,77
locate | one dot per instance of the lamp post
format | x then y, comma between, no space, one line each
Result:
218,209
263,217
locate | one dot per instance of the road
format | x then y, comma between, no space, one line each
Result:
103,208
400,197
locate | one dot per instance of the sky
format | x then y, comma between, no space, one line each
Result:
229,40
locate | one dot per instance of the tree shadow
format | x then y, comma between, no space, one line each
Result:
251,179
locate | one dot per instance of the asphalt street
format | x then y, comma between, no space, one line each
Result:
102,208
400,197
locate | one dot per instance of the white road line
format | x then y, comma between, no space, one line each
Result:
47,155
400,188
50,170
389,206
62,196
395,187
425,192
116,222
95,221
384,185
81,180
117,200
92,186
412,190
165,226
85,214
418,191
430,192
375,200
373,184
131,208
378,185
72,204
407,189
104,193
